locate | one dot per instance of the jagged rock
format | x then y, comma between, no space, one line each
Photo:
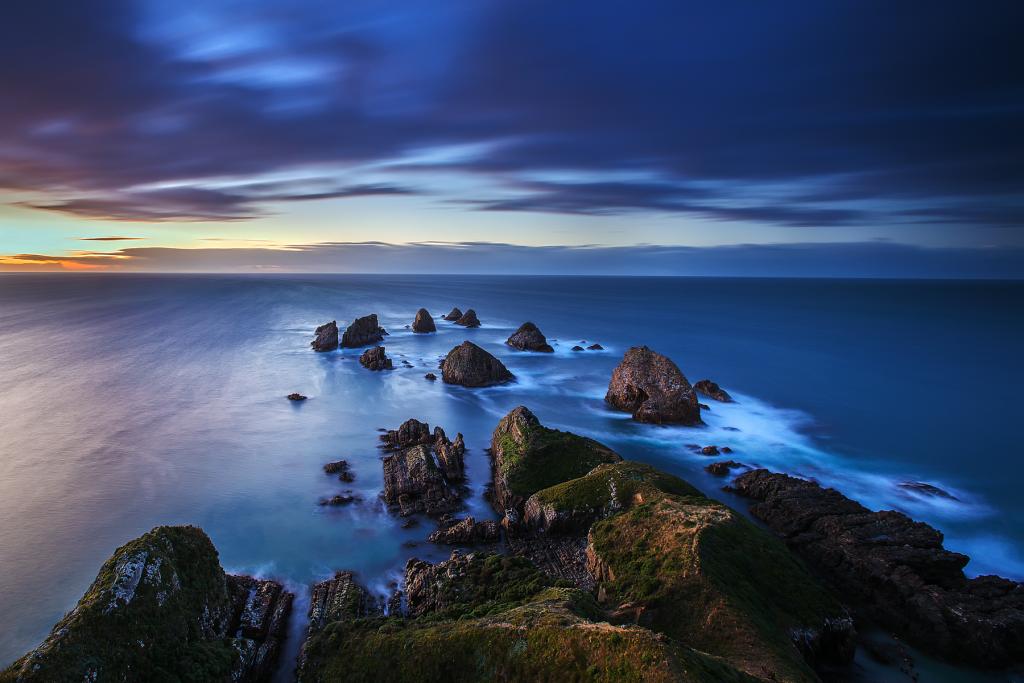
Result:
430,377
454,315
339,599
162,608
412,432
341,468
725,449
338,500
414,483
464,580
326,337
375,359
423,322
712,390
652,388
595,347
926,489
895,569
709,450
468,319
450,455
296,397
467,532
529,457
470,366
722,469
363,332
529,338
576,348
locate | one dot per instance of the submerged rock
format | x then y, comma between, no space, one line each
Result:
467,532
454,315
326,337
595,347
162,608
338,500
414,483
468,319
895,569
363,332
529,338
652,388
926,489
375,359
341,468
430,377
712,390
709,450
296,397
470,366
423,322
576,348
722,469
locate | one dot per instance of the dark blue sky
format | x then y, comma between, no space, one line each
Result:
268,124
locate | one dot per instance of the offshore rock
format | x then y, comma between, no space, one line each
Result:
375,359
712,390
414,483
469,365
895,569
468,319
430,377
412,432
363,332
450,455
423,322
722,469
296,397
653,389
529,338
454,315
467,532
326,337
595,347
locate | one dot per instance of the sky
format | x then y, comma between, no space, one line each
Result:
848,138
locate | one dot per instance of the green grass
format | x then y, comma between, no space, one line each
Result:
548,457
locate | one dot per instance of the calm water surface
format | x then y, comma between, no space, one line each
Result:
132,401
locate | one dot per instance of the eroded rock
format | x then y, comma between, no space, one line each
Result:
468,319
423,323
652,388
529,338
469,365
414,483
467,531
326,338
375,359
712,390
453,315
363,332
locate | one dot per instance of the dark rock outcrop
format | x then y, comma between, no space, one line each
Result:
895,569
338,500
467,532
326,337
363,332
162,608
341,468
413,483
529,338
450,455
709,450
339,599
423,322
412,432
375,359
470,366
453,315
430,377
468,319
595,347
926,489
712,390
653,389
722,469
576,348
296,397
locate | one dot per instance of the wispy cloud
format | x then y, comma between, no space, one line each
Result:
113,238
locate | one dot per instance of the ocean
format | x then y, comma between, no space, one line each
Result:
130,401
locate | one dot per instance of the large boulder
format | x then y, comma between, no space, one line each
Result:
528,457
363,332
423,322
712,390
470,366
414,483
375,359
162,608
454,314
895,569
653,389
468,319
326,337
529,338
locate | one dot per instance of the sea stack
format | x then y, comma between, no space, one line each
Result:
326,337
423,322
468,319
712,390
375,359
529,338
652,388
363,332
470,366
454,314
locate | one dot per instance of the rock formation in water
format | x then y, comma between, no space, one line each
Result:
595,347
467,531
576,348
652,388
712,390
161,608
470,366
453,315
430,377
468,319
529,338
423,322
723,468
296,397
414,483
412,432
451,455
375,359
363,332
326,337
894,569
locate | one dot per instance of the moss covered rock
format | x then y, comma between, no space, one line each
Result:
162,609
528,457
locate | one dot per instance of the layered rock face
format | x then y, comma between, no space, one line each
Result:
653,389
375,359
414,483
161,607
468,319
470,366
363,332
711,389
423,322
529,338
467,531
528,457
338,599
895,569
412,432
450,455
453,315
326,337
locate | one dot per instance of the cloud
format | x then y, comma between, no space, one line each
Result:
114,238
853,259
